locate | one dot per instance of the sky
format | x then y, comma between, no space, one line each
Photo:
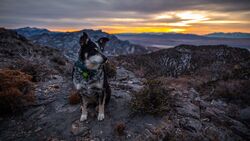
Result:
128,16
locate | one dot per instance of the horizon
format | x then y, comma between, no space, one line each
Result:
69,31
116,16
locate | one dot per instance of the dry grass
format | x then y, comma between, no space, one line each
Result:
110,69
38,71
236,91
16,91
120,128
232,90
153,99
74,98
59,60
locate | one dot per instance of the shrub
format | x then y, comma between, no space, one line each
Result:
34,71
110,69
38,71
74,98
59,60
154,98
16,91
233,90
120,128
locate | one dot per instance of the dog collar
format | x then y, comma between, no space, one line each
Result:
86,73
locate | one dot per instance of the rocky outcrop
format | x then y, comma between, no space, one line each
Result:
210,88
16,52
213,62
194,118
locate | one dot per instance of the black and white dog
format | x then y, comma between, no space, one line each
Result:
89,76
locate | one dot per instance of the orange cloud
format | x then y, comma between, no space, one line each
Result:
127,29
197,22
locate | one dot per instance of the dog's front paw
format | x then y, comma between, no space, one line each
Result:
100,116
83,117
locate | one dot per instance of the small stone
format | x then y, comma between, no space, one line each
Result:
130,82
245,114
78,129
38,129
191,124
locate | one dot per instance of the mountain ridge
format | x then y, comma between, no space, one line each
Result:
68,42
213,34
229,35
169,40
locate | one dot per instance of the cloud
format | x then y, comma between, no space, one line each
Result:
126,13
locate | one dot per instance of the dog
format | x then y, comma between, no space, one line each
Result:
89,75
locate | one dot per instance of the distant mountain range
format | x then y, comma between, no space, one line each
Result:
181,35
32,31
169,40
129,43
68,42
229,35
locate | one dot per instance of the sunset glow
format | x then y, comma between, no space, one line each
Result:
128,16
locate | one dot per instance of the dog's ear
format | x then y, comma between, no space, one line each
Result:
84,39
102,41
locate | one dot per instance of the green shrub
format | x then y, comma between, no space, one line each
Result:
154,98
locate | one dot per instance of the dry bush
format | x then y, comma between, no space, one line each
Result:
110,69
38,71
59,60
16,91
74,98
120,128
233,90
34,70
236,91
154,98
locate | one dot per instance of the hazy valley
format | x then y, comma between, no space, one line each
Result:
169,40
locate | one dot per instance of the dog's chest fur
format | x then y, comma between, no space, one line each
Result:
91,86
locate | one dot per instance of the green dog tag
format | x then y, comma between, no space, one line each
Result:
85,75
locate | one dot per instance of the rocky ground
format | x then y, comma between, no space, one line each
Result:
53,118
191,118
199,111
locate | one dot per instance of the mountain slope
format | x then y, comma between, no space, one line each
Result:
69,41
29,32
214,61
52,117
207,87
41,62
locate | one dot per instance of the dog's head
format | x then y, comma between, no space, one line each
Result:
91,53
